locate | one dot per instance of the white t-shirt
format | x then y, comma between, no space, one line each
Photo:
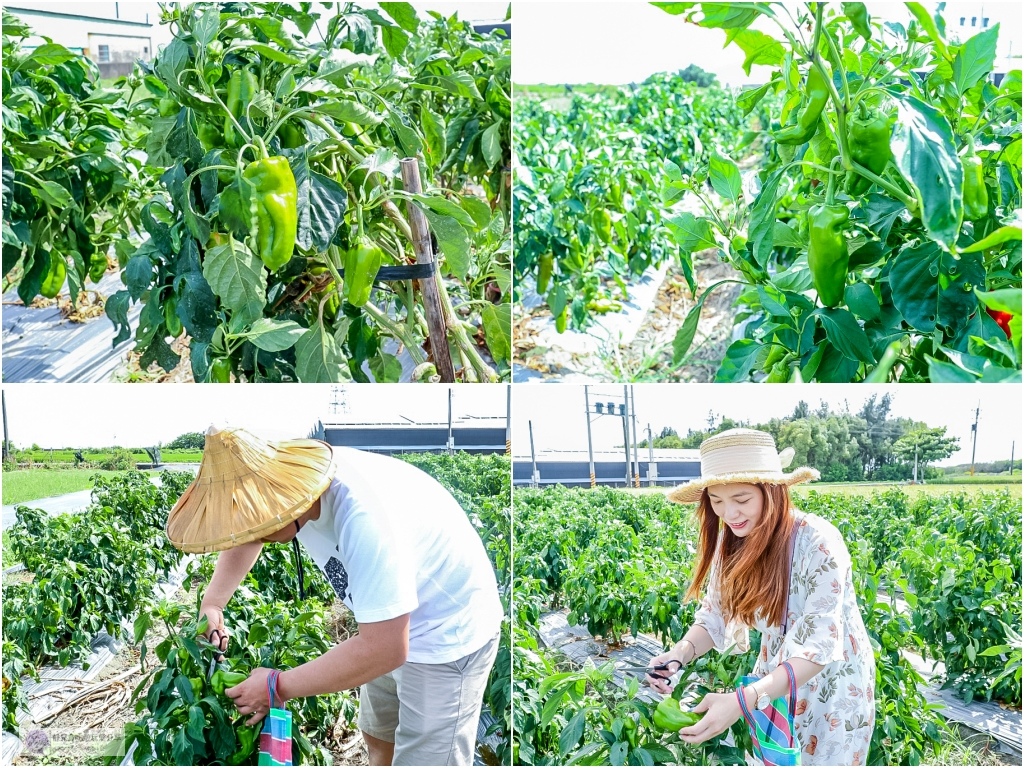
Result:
391,540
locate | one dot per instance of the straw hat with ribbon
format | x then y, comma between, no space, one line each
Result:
247,488
741,456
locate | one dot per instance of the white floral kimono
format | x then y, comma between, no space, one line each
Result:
835,710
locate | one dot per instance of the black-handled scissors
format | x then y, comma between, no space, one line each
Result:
217,654
655,670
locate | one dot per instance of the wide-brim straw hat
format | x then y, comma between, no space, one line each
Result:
741,456
247,488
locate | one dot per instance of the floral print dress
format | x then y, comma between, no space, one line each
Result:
835,710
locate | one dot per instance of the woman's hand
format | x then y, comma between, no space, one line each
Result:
251,697
722,711
662,686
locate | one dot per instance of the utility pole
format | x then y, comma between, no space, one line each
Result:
974,430
625,433
508,420
6,442
636,456
590,442
533,458
1013,447
652,471
451,441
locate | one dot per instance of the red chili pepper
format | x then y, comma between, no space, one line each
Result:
1002,320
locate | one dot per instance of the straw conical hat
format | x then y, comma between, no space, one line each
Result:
741,456
247,488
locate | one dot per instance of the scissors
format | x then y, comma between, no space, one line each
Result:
657,669
216,654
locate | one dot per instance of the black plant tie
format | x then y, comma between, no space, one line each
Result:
298,563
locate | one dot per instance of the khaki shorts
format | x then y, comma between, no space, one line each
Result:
429,711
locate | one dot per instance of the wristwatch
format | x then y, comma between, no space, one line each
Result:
763,700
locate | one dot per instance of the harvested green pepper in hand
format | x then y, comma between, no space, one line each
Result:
669,717
242,89
975,191
223,679
828,255
362,263
807,121
868,133
272,206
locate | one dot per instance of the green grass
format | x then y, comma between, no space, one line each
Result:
931,489
7,556
1002,479
67,456
30,484
555,91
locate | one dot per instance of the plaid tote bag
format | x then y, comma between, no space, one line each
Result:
276,736
771,729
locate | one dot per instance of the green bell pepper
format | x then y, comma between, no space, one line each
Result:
272,207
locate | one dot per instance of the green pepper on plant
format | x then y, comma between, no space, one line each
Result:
806,123
272,206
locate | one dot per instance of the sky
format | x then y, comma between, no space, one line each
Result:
626,41
559,420
96,415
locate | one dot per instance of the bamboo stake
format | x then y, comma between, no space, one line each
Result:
436,319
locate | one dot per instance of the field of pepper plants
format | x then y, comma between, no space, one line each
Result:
620,563
247,185
82,575
865,195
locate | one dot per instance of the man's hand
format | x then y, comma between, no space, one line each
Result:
722,711
216,632
251,697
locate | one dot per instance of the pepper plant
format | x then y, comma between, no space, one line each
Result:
279,161
68,186
884,241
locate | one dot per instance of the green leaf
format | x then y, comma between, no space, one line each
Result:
572,732
237,276
386,369
861,300
479,210
975,59
205,23
116,309
751,97
846,335
1002,300
172,60
931,288
497,321
490,144
684,336
758,48
691,233
318,359
274,54
446,207
461,84
404,15
434,133
320,206
725,177
196,723
348,111
274,335
453,242
138,274
48,55
929,26
923,148
739,359
53,194
761,232
947,373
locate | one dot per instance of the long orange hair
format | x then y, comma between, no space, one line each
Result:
753,572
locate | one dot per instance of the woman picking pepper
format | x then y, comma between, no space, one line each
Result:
761,563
